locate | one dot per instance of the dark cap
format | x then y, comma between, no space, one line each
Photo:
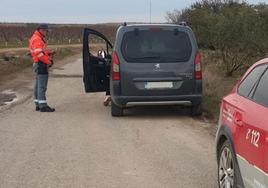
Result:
43,26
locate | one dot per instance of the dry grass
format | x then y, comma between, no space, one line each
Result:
215,84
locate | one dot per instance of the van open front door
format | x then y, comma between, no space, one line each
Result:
96,64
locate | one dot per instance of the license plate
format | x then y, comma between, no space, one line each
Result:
158,85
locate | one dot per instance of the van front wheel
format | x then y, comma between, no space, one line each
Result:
116,110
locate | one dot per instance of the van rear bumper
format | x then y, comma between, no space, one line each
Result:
130,101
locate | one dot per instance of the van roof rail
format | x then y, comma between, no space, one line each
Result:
183,23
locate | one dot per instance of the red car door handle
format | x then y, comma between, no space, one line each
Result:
238,119
239,122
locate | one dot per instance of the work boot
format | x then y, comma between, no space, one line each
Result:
37,108
47,109
107,101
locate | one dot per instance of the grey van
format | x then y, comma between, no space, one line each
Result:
149,64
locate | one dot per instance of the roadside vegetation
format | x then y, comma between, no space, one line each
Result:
232,35
17,35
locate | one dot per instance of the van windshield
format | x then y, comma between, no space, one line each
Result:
145,46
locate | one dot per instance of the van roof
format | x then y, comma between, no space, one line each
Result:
155,25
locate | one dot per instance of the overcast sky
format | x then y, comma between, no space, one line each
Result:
89,11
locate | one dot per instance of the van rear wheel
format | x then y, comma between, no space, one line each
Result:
116,110
196,110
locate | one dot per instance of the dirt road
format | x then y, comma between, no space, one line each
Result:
81,145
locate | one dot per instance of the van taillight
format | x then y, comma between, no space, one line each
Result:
197,68
115,67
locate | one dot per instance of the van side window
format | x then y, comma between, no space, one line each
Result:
261,93
248,84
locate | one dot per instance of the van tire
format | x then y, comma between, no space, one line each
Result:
116,111
196,110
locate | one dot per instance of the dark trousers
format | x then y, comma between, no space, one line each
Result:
107,80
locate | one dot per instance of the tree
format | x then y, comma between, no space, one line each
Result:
236,30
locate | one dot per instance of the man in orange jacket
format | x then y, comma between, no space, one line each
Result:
42,60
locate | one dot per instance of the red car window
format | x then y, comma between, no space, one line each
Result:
247,85
261,94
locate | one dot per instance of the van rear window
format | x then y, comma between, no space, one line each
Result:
144,46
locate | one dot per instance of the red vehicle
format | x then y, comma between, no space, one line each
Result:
242,137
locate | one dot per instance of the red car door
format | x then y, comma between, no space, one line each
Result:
251,146
260,98
250,135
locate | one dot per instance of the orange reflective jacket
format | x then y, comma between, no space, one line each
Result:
37,47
